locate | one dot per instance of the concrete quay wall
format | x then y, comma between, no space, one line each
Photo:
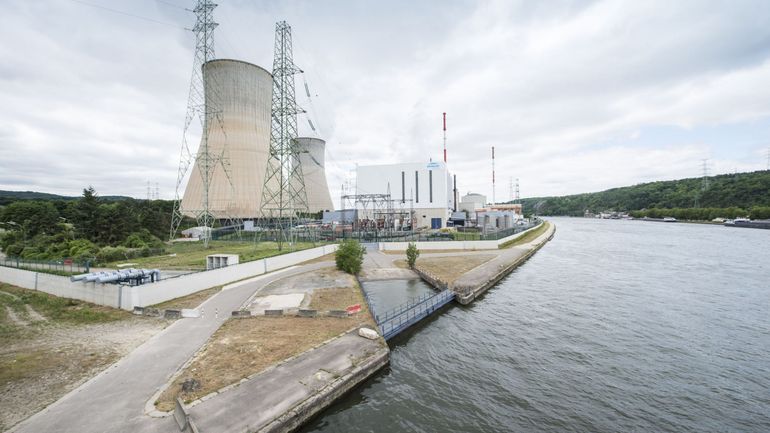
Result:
294,418
473,284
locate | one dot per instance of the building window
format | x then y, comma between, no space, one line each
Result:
430,186
403,187
416,186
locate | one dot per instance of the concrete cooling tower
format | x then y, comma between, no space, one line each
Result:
311,158
242,94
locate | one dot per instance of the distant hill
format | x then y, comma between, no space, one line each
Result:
742,190
12,196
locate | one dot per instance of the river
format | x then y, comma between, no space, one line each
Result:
612,326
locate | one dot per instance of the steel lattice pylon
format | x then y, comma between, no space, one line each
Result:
202,103
284,198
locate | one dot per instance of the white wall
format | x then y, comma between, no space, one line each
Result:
374,179
127,297
102,294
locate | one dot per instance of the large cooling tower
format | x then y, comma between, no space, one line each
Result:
241,93
311,158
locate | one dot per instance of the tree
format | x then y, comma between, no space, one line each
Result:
411,254
86,215
350,256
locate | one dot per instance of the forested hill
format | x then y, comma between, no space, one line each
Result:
739,190
7,197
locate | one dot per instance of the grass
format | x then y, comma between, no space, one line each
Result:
448,269
337,298
190,301
192,255
242,347
529,236
51,307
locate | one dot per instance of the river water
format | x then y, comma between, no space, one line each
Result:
612,326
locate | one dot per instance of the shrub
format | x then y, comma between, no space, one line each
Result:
411,254
350,256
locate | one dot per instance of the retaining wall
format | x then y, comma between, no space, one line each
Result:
128,297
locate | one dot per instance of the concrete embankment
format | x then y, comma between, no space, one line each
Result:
287,395
478,280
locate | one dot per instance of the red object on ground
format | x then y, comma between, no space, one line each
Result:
67,262
353,309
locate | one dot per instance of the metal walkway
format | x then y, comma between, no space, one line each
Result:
392,322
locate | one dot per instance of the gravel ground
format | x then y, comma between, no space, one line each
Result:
57,358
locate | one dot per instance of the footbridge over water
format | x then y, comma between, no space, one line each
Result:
396,320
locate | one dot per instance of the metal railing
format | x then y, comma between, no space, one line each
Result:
66,266
392,322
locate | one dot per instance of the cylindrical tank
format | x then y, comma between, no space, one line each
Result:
311,158
238,97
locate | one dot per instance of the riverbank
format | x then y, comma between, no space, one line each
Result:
479,279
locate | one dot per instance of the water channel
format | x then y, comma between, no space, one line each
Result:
612,326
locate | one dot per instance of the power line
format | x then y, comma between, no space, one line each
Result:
129,14
173,5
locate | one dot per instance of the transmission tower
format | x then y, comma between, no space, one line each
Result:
516,196
704,184
204,106
283,196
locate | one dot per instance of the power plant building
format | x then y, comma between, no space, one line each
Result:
429,186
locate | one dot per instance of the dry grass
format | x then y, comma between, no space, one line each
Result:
528,237
189,301
401,264
242,347
448,269
402,252
337,298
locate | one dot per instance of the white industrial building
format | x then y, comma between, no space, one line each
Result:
427,188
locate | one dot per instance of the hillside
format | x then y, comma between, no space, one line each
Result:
740,190
7,197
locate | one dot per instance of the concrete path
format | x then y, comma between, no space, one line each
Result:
379,266
253,404
115,399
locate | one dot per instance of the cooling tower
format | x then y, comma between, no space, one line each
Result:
311,158
239,95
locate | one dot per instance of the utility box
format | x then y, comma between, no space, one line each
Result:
216,261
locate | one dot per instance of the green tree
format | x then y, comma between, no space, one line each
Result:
412,253
350,256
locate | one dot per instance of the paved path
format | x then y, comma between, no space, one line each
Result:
115,399
379,266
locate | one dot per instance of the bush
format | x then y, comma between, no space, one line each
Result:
350,256
411,254
112,254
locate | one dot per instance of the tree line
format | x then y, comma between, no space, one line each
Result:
723,196
85,228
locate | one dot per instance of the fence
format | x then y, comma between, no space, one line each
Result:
64,266
320,235
392,322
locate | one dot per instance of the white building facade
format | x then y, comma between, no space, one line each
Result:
426,188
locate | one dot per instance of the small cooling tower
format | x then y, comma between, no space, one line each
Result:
240,134
311,158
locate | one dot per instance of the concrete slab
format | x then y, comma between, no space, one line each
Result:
275,302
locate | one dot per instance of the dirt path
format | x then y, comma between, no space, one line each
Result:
18,321
34,315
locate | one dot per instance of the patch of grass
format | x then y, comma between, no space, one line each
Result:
192,255
190,301
242,347
529,236
57,309
466,236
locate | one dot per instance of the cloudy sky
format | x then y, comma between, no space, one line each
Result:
575,96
